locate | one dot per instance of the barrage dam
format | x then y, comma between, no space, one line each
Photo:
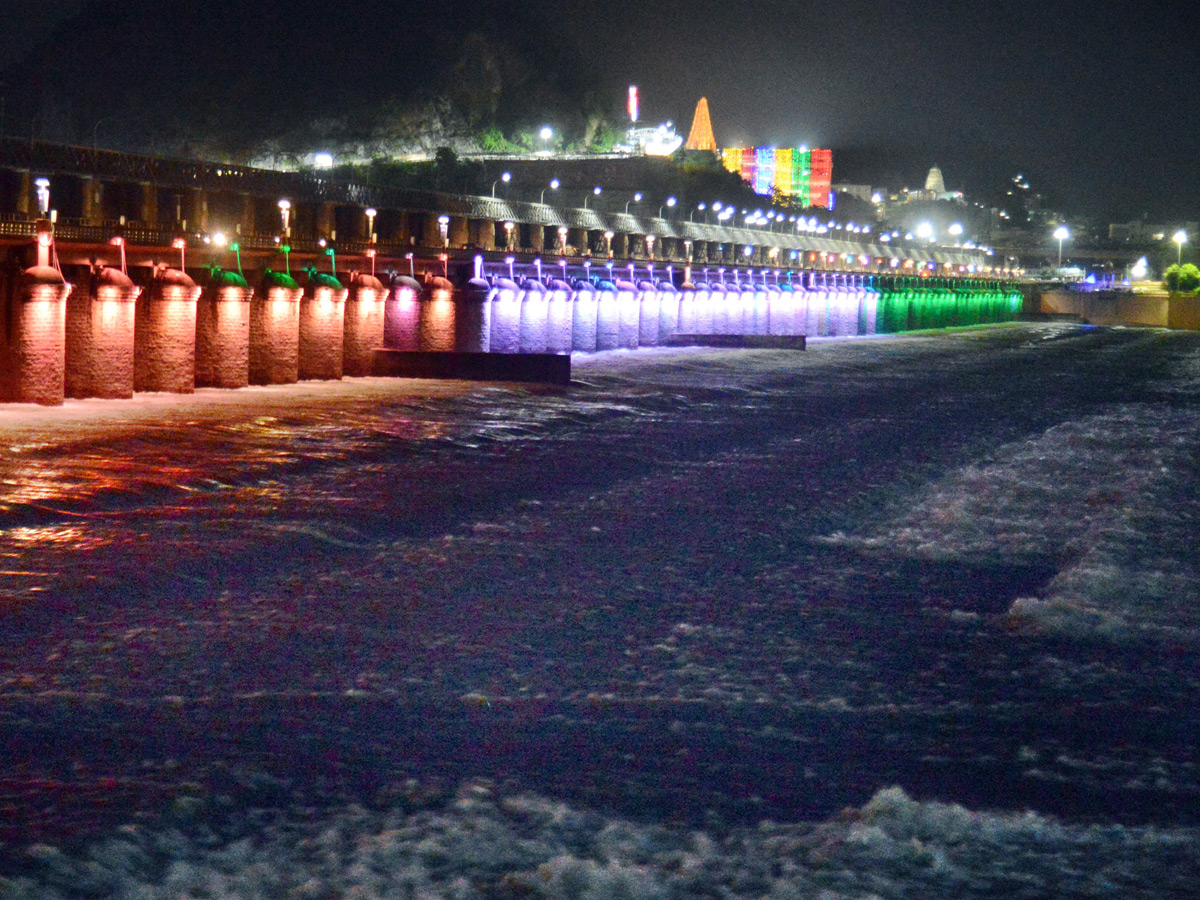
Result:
125,273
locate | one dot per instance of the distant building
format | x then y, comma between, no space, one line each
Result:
799,174
863,192
701,135
934,182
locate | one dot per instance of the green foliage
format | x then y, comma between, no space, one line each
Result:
1183,279
604,140
494,141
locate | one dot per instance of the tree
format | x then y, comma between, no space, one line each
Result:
1182,279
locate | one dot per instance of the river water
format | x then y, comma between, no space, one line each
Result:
890,617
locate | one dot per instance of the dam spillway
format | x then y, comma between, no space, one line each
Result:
173,334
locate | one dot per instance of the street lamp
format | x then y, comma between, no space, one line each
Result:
371,213
608,236
43,196
508,234
1180,238
671,201
554,182
285,213
546,134
595,193
562,239
1061,233
701,207
925,231
444,229
955,230
637,198
506,178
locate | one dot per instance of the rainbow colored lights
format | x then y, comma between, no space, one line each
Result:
797,173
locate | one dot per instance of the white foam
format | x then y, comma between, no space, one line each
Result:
480,845
1105,494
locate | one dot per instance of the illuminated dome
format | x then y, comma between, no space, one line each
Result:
934,183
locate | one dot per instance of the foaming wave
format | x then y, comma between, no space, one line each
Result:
480,844
1110,496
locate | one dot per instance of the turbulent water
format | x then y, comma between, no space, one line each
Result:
897,617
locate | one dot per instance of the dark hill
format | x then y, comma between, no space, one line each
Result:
226,77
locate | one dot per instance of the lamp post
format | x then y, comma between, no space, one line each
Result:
701,207
608,236
546,134
285,213
637,198
562,239
371,213
505,177
444,229
595,193
508,234
43,196
1061,233
671,201
554,182
1180,238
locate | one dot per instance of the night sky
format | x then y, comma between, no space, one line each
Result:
1094,104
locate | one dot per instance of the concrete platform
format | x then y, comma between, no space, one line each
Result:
544,368
742,341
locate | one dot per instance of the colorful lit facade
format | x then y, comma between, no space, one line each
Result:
800,174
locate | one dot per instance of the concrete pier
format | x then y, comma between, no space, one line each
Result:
437,317
321,329
402,315
223,332
275,330
583,319
99,345
32,365
164,356
363,324
473,318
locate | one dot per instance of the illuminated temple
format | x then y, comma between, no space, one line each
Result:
799,174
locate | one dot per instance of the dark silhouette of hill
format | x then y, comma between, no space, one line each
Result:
226,76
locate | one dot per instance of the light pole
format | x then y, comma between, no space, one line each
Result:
546,134
1061,233
508,234
371,213
554,182
1180,238
671,201
595,193
701,207
43,196
506,177
285,213
637,198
